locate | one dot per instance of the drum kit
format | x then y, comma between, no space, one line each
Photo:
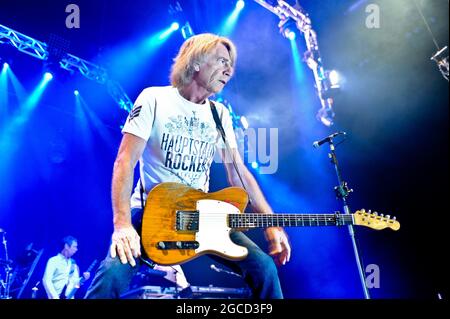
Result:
7,270
14,276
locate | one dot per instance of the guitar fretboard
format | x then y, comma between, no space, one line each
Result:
287,220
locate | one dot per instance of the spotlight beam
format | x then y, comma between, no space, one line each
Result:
312,56
231,21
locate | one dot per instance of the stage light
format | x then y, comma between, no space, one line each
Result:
76,92
255,165
48,76
287,28
441,59
291,35
334,78
331,84
5,66
240,4
163,35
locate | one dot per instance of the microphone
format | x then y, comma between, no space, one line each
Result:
316,144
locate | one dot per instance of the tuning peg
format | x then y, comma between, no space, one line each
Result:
375,213
394,218
382,215
369,211
388,216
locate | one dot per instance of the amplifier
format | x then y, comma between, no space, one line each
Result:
191,292
150,292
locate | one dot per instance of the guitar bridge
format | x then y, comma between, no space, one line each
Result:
186,220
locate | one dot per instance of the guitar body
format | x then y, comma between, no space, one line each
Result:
160,220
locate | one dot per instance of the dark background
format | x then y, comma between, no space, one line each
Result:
56,170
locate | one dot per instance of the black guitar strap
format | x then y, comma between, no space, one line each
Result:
142,194
227,146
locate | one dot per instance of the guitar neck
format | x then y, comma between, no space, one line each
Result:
288,220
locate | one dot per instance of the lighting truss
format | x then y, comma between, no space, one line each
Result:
312,56
68,62
23,43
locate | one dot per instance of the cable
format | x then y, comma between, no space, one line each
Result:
427,25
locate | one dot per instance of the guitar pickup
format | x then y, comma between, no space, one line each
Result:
170,245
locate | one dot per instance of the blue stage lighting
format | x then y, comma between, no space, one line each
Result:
291,35
255,165
230,22
163,35
287,28
240,4
334,78
48,76
5,66
76,92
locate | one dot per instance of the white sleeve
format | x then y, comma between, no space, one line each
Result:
227,124
140,120
47,280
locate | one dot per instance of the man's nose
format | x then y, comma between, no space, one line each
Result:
228,70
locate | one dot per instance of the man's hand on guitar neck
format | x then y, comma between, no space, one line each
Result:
86,275
125,244
279,247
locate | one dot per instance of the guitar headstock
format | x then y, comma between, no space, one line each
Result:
375,221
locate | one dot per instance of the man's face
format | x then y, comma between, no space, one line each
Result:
72,249
216,71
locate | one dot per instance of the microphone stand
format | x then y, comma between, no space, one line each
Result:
342,191
7,270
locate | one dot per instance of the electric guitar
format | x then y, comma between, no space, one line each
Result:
82,281
181,223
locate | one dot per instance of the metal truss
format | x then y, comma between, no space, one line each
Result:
68,62
312,56
23,43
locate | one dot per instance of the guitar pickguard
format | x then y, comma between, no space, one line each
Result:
214,233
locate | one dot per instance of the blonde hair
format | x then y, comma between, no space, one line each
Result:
194,50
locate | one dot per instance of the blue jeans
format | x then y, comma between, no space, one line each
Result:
259,271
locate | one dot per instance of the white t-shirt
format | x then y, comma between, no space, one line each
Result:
181,139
